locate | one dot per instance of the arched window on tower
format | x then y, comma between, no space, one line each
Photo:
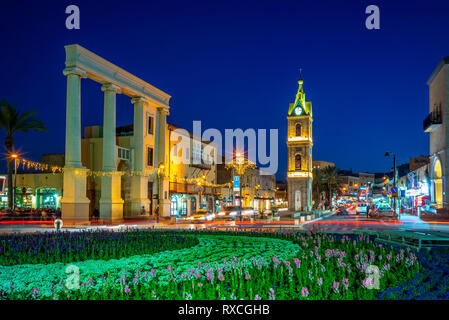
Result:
297,162
298,129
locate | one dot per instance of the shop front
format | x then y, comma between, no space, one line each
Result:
182,205
25,198
47,198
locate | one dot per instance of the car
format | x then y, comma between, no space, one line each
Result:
201,215
430,209
341,211
361,208
229,213
384,210
248,213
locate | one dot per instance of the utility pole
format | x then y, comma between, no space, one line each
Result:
395,200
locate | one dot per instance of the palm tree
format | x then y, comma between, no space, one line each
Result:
330,175
12,121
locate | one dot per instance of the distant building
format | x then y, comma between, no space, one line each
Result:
318,164
258,190
418,162
281,196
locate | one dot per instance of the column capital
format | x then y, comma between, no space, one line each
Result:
143,100
75,71
110,87
163,111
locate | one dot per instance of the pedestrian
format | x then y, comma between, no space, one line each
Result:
143,210
367,210
96,214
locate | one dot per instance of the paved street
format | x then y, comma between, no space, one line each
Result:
331,223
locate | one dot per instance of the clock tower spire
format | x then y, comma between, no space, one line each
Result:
299,145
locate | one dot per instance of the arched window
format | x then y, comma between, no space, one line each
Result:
298,162
298,130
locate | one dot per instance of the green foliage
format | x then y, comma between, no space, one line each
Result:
315,266
51,247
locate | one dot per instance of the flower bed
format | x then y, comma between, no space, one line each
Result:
66,247
430,283
211,248
285,265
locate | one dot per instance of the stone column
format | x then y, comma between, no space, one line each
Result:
111,203
162,180
139,184
74,203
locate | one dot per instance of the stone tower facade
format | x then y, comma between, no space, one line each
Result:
299,145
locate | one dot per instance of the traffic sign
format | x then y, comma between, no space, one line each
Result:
236,183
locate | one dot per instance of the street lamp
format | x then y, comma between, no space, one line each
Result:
14,156
200,182
387,154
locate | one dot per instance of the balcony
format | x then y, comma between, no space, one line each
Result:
181,187
432,121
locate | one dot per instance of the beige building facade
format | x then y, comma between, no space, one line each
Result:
436,124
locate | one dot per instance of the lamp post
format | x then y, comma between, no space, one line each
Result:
200,182
14,156
387,154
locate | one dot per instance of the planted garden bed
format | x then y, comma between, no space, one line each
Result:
256,265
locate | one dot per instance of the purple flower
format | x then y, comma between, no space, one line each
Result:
271,294
297,262
345,283
335,286
304,292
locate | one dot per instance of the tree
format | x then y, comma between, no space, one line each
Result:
330,175
317,185
12,121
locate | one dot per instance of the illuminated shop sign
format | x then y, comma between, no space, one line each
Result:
2,184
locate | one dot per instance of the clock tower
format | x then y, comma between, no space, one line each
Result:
299,145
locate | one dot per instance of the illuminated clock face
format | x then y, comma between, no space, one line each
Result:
298,111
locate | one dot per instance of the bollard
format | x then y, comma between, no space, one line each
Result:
58,224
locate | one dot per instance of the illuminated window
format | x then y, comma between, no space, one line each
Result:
150,157
150,125
298,130
298,162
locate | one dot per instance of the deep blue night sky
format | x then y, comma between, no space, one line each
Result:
235,64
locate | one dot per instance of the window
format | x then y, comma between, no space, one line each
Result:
150,157
150,125
298,130
298,162
196,153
